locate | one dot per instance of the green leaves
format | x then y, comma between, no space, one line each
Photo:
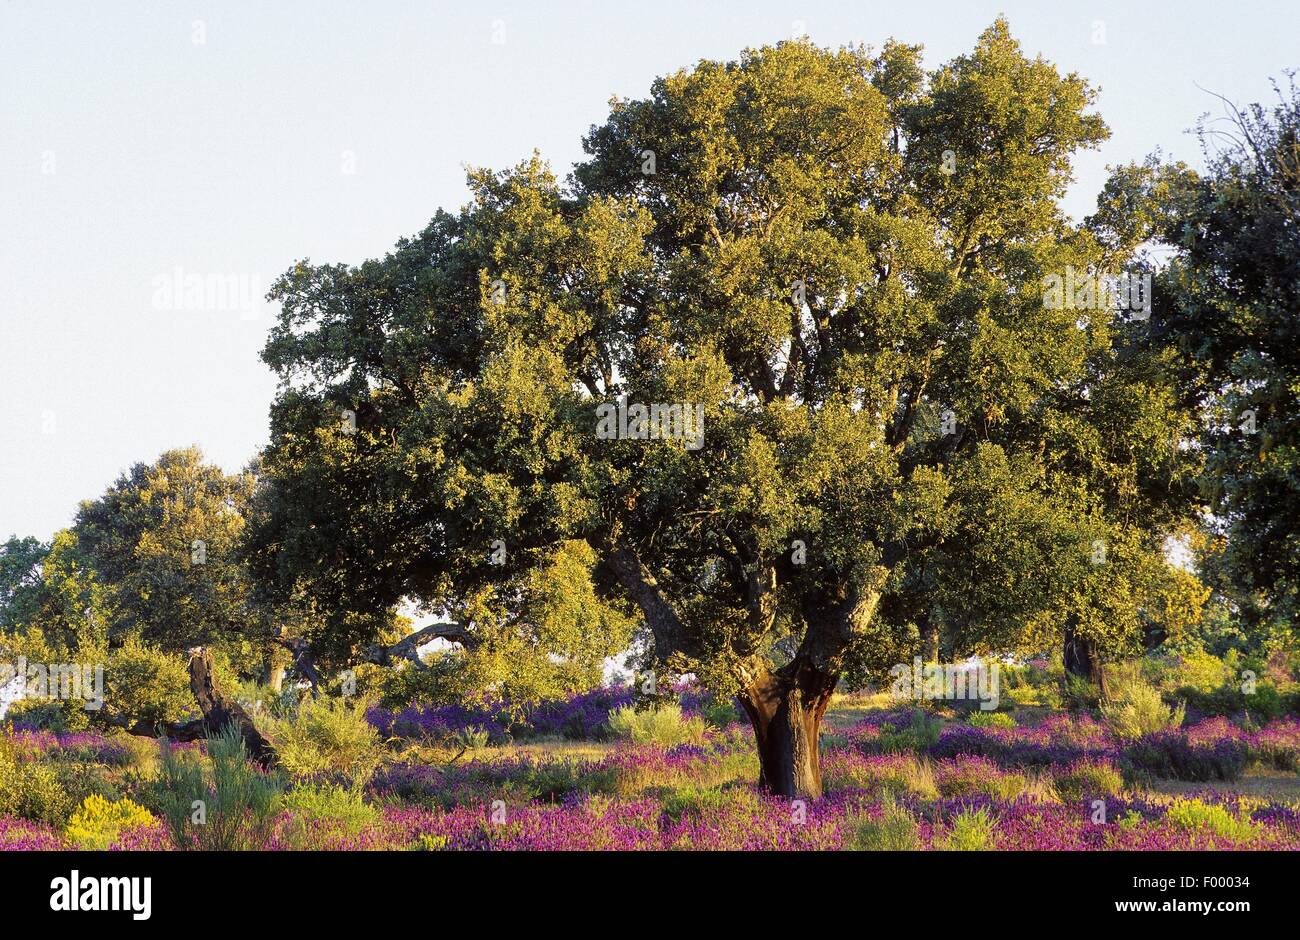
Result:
1231,326
840,257
162,545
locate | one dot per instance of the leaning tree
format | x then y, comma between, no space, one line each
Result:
809,287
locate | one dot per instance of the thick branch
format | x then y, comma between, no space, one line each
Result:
408,647
175,730
220,712
304,663
660,615
902,429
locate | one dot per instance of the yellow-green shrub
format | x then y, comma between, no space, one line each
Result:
31,789
327,737
664,726
1199,818
1088,779
1133,708
97,823
971,831
317,809
894,830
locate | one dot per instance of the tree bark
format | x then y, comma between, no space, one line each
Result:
786,706
1081,657
785,709
930,639
220,711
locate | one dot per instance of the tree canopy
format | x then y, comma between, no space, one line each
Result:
840,259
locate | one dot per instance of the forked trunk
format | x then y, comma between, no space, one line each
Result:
786,709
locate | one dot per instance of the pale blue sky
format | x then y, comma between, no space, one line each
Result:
128,150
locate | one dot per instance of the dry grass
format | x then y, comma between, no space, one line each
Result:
556,748
847,710
1273,785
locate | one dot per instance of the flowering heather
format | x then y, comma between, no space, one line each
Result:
21,835
581,717
970,774
574,826
521,779
891,774
78,745
758,822
892,780
1277,744
748,820
1214,749
436,722
517,780
150,838
326,835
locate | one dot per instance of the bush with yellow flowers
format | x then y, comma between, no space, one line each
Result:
97,823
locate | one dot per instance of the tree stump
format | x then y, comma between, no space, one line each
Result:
220,711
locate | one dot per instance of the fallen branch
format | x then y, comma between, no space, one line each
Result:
175,730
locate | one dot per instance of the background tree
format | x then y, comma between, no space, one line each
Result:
1233,290
147,571
162,542
20,580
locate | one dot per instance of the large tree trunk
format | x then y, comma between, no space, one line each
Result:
1081,658
786,709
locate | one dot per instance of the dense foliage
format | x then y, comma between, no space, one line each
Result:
801,374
